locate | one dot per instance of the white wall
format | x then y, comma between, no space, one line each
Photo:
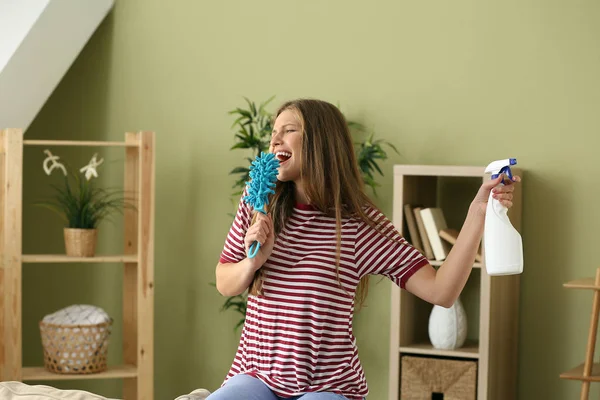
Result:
15,22
39,40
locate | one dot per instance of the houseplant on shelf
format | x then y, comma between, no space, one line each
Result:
253,132
81,204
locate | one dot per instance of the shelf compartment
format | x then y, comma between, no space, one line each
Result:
584,283
79,143
577,373
62,258
42,374
469,350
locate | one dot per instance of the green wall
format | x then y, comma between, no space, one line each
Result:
462,82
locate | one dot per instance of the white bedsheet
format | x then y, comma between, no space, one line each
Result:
11,390
21,391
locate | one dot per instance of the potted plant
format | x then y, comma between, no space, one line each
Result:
253,132
80,204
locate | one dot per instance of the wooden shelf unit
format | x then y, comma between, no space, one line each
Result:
113,371
470,350
492,306
585,283
137,371
61,258
588,371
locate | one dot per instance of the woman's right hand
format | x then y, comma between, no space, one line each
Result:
263,232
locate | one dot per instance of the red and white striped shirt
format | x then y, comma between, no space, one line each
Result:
298,337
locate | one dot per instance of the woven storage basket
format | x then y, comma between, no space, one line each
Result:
80,242
423,376
80,348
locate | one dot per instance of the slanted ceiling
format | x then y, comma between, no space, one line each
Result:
40,40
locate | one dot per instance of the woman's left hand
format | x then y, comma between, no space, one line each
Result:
503,193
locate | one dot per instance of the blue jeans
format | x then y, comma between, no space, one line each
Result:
245,387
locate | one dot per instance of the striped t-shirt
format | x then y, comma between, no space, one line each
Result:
297,336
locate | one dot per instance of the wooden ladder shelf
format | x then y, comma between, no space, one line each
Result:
588,371
137,370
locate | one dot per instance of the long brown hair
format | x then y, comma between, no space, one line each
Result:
330,176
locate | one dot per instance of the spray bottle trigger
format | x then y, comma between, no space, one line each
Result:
506,171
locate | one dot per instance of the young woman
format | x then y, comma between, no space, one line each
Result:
321,240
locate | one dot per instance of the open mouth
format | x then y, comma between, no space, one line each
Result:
283,156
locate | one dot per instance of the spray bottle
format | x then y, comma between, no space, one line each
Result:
503,243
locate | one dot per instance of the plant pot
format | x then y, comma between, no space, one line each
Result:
80,242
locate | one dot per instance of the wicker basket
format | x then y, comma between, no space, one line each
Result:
80,242
75,349
422,377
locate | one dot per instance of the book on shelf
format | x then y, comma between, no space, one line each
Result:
429,232
413,230
434,222
427,250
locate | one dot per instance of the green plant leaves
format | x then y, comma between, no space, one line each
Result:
254,126
80,204
368,154
237,303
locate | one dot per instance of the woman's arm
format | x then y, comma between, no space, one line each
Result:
234,278
443,286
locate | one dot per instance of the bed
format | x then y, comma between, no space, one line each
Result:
12,390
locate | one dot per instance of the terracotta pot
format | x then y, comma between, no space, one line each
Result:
80,242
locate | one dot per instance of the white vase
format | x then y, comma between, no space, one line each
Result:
448,326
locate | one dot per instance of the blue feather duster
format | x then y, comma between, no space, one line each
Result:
263,174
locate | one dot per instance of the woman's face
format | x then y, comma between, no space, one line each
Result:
286,144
